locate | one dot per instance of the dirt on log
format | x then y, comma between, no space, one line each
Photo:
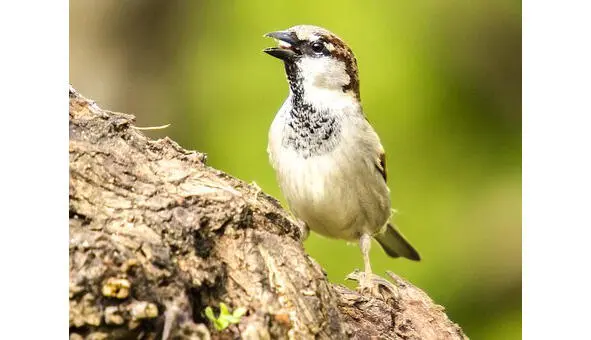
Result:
156,236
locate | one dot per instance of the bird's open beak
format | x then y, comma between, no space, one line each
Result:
285,49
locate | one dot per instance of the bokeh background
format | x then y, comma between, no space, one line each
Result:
440,82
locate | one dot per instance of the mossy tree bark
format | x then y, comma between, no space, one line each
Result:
156,236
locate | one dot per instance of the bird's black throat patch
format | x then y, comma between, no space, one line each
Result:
309,131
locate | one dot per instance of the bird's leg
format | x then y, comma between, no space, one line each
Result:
304,230
368,281
365,283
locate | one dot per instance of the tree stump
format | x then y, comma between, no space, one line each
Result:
157,236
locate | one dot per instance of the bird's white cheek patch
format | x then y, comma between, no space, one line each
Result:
323,81
324,73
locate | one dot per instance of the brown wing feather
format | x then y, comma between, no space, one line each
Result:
381,165
381,161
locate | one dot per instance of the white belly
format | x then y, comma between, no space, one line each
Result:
339,194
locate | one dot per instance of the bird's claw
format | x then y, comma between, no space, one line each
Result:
304,230
374,285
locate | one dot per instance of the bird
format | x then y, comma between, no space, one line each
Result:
329,162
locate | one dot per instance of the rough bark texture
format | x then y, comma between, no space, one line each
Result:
156,236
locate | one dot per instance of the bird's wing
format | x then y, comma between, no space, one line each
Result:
381,164
380,161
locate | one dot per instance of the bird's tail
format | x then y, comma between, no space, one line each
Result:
395,244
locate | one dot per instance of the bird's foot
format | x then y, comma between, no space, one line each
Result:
304,230
374,285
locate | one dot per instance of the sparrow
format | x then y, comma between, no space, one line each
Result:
329,162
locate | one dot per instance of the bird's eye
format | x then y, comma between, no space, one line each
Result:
317,47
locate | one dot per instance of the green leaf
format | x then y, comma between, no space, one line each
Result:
239,312
225,318
221,324
231,319
224,309
209,314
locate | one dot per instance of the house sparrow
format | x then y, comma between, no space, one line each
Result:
329,161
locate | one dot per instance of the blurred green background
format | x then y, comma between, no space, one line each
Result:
440,82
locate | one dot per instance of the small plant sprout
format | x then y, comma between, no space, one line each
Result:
225,318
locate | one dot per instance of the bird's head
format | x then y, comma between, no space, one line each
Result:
320,67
